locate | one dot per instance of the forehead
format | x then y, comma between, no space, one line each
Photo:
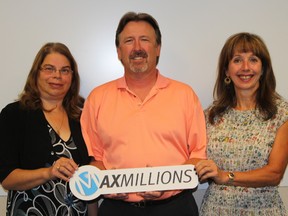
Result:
56,59
138,28
245,53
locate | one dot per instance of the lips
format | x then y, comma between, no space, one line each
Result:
55,85
245,77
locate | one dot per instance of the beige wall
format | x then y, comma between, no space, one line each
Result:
198,196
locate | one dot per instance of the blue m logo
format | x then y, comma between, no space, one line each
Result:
86,183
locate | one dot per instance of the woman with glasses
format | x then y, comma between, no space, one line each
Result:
41,140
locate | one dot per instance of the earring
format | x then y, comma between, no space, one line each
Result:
227,80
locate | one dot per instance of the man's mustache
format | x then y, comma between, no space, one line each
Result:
138,53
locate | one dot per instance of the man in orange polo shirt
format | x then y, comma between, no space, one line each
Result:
143,120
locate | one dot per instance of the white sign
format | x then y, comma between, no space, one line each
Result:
88,182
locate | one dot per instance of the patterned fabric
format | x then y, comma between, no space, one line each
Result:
52,198
241,141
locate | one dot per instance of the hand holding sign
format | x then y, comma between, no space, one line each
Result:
88,182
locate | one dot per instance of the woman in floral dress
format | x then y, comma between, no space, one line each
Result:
247,129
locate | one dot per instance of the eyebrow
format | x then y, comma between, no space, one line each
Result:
55,67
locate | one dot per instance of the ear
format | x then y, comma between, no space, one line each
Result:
119,53
158,50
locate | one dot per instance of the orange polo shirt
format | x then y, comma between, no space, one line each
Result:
167,128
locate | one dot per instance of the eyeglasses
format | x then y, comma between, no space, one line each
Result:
49,69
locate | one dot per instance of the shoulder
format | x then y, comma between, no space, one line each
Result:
178,83
282,104
103,89
180,87
282,109
12,109
12,106
12,117
15,112
107,85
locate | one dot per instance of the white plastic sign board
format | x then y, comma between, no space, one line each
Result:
88,182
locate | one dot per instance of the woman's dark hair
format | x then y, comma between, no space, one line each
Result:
136,17
30,97
224,95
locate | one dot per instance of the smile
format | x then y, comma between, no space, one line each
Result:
246,77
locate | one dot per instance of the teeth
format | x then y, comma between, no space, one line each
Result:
245,77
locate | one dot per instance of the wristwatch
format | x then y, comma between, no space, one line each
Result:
231,177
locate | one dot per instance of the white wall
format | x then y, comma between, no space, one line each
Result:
193,34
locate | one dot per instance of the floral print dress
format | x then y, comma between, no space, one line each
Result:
53,198
241,141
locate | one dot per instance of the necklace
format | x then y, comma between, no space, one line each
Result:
59,128
52,120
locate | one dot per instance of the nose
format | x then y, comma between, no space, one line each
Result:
57,73
137,45
245,65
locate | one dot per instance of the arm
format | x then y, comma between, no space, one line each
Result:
197,135
21,179
269,175
15,125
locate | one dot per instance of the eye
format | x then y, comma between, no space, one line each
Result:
237,60
144,39
254,59
128,41
65,71
48,69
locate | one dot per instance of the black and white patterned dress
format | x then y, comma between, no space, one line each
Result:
53,198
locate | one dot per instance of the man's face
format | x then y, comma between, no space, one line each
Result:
138,50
